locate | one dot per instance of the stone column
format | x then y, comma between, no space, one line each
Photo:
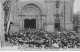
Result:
1,24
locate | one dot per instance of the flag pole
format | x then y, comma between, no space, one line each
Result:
8,25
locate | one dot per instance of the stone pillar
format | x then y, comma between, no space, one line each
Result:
1,24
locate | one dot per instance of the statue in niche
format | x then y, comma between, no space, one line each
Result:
57,4
6,8
57,14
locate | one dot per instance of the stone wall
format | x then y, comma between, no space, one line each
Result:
49,9
1,23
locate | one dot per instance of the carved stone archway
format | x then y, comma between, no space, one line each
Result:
31,11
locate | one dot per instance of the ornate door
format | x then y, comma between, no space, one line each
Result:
31,12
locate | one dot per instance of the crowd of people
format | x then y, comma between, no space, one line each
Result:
40,38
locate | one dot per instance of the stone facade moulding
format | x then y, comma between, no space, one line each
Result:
33,2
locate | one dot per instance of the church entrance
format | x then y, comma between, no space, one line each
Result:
57,24
30,23
30,17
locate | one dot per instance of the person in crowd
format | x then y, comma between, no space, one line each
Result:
39,38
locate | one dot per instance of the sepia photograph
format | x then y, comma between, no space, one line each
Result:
39,25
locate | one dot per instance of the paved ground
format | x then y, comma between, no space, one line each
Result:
8,48
16,48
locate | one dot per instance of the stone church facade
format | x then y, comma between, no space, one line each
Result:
40,14
46,14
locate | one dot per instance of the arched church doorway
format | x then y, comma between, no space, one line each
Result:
30,23
31,17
